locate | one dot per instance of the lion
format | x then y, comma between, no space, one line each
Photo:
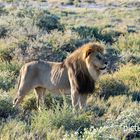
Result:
76,75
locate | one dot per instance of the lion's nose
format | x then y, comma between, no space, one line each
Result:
106,62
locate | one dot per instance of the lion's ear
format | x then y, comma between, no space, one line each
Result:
88,52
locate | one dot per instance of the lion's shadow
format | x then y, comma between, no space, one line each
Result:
114,88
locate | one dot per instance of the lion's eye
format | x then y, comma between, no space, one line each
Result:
99,57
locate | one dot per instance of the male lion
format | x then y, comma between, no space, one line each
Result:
77,73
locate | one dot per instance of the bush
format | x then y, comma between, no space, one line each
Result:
59,117
3,31
112,87
129,43
116,129
8,75
97,33
6,108
30,101
125,81
13,129
132,58
114,59
136,97
6,55
48,22
6,80
3,11
68,2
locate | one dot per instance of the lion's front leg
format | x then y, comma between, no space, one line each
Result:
75,99
74,88
82,100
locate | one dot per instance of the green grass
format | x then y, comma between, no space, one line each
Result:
112,110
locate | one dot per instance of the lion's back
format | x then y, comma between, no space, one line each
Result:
50,75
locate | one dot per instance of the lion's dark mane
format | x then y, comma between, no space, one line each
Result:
85,83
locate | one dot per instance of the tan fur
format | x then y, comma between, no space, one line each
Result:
77,74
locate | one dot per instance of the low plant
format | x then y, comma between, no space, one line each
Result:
59,117
47,21
6,107
3,31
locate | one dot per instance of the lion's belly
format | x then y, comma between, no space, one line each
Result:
59,86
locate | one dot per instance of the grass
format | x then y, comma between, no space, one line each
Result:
113,109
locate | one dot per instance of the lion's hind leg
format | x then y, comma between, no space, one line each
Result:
40,96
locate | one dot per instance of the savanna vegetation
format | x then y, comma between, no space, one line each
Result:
51,31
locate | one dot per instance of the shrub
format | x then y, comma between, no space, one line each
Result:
58,45
97,33
6,55
112,87
115,129
6,80
12,68
48,22
13,129
6,107
117,104
3,11
3,31
131,58
125,81
63,40
68,2
8,75
29,104
136,97
129,43
59,117
114,59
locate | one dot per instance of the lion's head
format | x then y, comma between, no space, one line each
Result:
95,59
87,63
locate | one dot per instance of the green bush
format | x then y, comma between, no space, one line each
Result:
3,31
6,107
112,87
116,129
132,58
7,80
13,129
6,55
125,81
136,97
3,11
48,22
68,2
114,59
8,75
97,33
129,43
59,117
30,102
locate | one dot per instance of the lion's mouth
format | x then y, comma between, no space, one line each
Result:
103,68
